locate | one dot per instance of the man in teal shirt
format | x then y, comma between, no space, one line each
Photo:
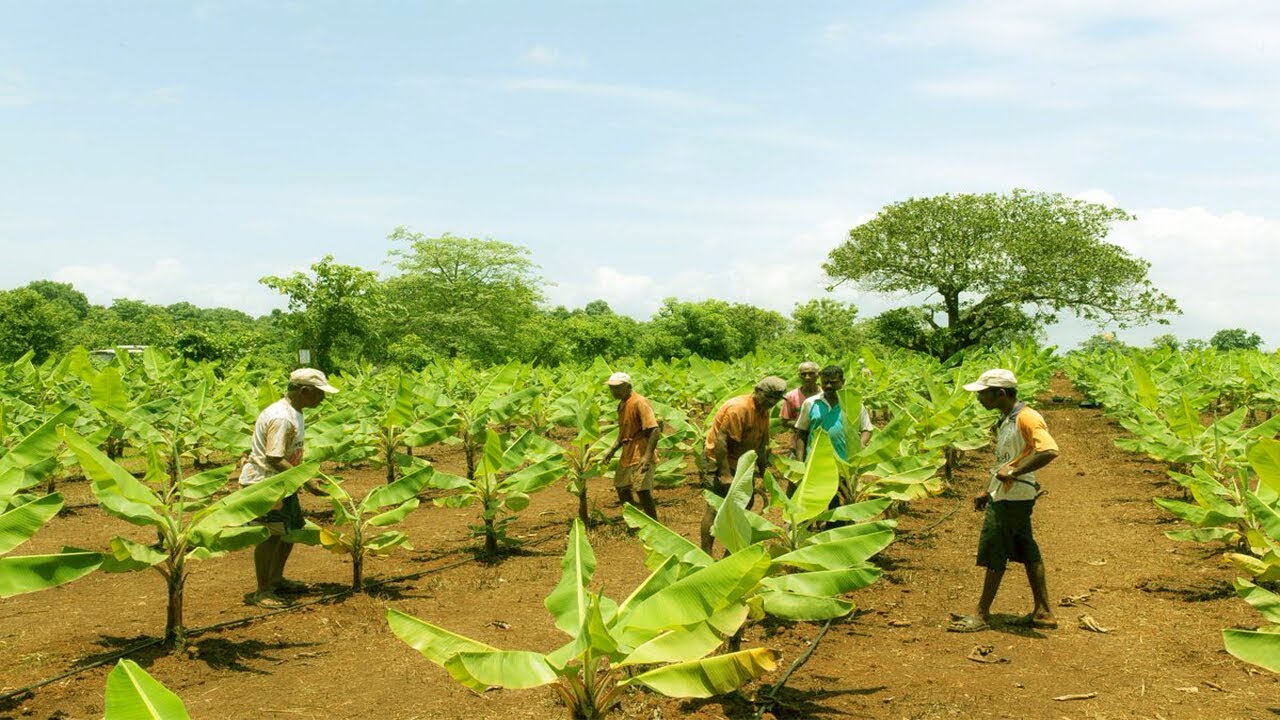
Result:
823,411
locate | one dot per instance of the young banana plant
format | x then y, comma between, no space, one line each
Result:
508,470
579,411
664,633
21,515
189,523
810,568
361,526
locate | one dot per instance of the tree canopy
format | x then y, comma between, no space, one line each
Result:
336,311
998,261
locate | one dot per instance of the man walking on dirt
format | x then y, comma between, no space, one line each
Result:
1023,446
823,411
638,437
276,447
741,424
791,402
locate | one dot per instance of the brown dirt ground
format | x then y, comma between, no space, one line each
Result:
1099,531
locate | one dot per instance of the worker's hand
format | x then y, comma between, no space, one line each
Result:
295,457
980,501
1005,476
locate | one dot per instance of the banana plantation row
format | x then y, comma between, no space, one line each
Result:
157,438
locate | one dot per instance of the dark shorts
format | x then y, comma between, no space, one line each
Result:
1006,535
285,519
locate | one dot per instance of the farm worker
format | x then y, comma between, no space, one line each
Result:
1023,446
741,424
276,447
638,437
792,401
822,411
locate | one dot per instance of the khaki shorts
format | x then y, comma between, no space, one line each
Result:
630,477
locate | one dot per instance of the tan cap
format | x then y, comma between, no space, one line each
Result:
618,378
772,384
808,366
997,378
311,377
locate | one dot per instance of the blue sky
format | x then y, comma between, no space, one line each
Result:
170,151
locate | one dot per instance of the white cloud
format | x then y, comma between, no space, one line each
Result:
166,282
835,33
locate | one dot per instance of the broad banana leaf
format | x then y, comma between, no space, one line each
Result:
838,554
399,491
511,669
712,676
26,463
29,573
731,526
661,542
695,598
254,500
1264,601
1264,456
132,694
821,480
825,583
792,606
391,517
569,602
20,522
1254,647
119,492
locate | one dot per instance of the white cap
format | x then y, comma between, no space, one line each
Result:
311,377
997,378
618,378
808,366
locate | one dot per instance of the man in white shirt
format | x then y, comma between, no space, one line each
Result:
276,447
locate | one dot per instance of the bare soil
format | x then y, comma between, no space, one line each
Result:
1165,603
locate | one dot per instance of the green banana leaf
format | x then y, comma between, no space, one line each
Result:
700,595
132,694
253,501
26,463
569,602
1254,647
29,573
712,676
21,521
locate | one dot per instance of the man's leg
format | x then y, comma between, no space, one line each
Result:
990,586
647,504
282,556
1039,591
264,561
625,496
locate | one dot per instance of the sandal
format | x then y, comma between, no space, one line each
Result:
967,624
266,599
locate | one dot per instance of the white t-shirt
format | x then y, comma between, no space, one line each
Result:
277,433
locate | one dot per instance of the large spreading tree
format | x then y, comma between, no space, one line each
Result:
336,311
998,260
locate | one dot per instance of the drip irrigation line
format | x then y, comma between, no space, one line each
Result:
771,697
939,521
193,632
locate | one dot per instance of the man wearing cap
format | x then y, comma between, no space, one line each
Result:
638,437
276,447
1023,446
792,401
741,424
823,411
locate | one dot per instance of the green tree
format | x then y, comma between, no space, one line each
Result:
1235,339
464,296
1039,253
28,321
1166,341
713,329
336,311
62,292
830,326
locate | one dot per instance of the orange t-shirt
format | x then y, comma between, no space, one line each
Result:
635,415
744,427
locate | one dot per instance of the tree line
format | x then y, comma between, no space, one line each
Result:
992,269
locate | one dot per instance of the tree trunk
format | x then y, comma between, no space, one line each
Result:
391,465
582,505
490,537
357,572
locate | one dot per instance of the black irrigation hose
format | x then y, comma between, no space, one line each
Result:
192,632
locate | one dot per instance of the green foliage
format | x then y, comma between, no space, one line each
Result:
663,634
337,311
29,322
712,329
464,297
132,694
991,257
1235,339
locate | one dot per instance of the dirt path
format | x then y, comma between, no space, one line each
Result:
1100,533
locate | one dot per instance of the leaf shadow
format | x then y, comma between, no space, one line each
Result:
223,654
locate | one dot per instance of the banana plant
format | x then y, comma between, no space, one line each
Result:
810,568
21,515
132,694
190,524
508,470
410,416
360,526
1259,647
662,635
578,410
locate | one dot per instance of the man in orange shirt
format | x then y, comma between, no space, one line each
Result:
741,424
1023,446
638,437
